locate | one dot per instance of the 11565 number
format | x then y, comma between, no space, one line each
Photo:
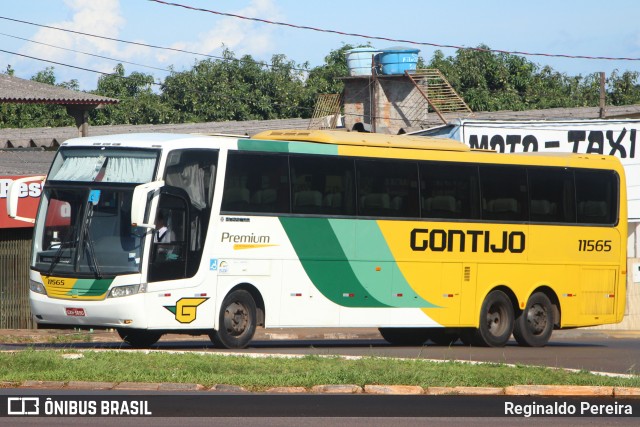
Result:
594,245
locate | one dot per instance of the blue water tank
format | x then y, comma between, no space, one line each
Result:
359,60
397,60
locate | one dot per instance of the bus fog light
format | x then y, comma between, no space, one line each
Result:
37,287
124,291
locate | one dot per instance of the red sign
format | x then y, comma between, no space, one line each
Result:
73,311
29,197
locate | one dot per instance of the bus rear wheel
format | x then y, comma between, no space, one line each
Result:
139,338
496,321
237,322
405,336
534,326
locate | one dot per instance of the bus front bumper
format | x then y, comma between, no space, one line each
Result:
108,313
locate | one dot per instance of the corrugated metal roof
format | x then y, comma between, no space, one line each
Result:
53,137
25,162
25,153
17,90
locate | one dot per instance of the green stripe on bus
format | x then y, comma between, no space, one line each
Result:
325,262
90,287
286,147
374,265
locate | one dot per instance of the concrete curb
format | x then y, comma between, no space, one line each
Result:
373,389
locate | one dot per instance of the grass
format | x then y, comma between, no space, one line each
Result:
65,338
258,374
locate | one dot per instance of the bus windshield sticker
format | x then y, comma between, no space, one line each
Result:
94,196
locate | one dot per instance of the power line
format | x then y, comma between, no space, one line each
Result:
86,53
264,64
71,66
322,30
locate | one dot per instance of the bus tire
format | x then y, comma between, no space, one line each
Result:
139,338
405,336
496,321
237,322
534,326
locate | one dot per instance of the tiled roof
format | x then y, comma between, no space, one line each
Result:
17,90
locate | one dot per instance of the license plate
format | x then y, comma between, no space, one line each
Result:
72,311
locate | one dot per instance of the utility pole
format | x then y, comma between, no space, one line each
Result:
602,96
374,95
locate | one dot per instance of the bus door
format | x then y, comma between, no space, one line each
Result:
181,288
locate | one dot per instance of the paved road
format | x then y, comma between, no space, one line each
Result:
593,350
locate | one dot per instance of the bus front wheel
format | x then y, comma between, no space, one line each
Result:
237,322
534,326
496,321
139,338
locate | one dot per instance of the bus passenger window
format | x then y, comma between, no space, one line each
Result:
387,188
322,185
449,191
552,195
596,196
256,183
504,193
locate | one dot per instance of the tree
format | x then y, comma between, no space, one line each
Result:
490,81
624,88
235,89
139,104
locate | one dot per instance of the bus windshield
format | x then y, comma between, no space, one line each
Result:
84,224
87,232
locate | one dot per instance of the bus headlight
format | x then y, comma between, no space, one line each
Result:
37,287
126,290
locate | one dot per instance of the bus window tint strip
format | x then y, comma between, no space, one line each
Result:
321,185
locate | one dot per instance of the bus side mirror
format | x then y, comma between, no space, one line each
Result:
13,194
139,202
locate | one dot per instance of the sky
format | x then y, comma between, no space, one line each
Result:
592,28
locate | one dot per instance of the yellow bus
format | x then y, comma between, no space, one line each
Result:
423,238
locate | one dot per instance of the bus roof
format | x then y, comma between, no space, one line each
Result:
362,139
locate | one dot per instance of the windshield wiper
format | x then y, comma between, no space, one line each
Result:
89,242
65,242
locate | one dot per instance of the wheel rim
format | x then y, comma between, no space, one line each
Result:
496,320
537,319
236,318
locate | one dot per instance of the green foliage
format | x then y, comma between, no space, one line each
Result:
624,88
139,104
243,89
236,89
491,81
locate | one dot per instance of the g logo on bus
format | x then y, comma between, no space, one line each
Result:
185,309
